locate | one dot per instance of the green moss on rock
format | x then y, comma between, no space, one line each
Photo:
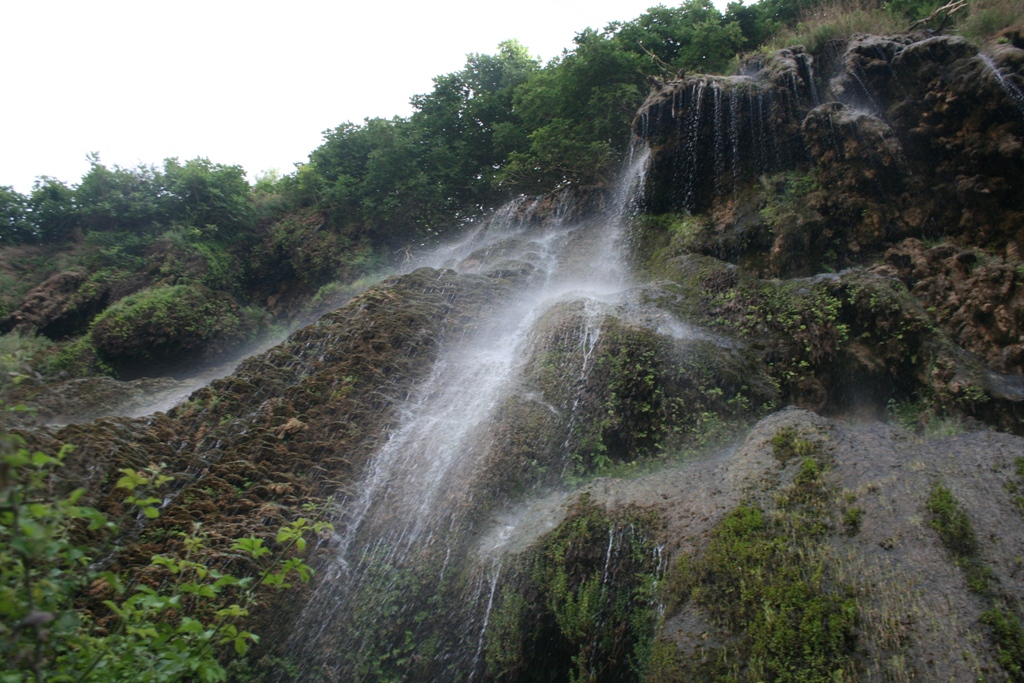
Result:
168,324
581,606
767,582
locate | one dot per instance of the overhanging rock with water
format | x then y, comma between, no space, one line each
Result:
710,135
932,127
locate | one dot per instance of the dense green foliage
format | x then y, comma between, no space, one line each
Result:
198,194
178,628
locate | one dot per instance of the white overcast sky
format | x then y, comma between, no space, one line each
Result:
252,83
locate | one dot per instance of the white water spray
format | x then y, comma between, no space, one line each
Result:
415,499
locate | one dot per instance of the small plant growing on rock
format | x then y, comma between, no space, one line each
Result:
787,443
1009,640
769,580
952,523
852,518
957,535
1016,486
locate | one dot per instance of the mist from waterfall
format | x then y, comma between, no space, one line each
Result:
416,504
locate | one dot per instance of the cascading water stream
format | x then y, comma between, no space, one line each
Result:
1009,87
417,506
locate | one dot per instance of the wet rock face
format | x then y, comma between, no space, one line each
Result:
960,131
854,150
290,426
628,382
919,136
710,135
862,69
860,161
82,400
860,339
978,299
856,508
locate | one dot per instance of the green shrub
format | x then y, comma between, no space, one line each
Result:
787,443
17,351
770,582
925,418
758,581
180,630
852,518
1009,640
186,258
952,523
76,358
168,324
585,609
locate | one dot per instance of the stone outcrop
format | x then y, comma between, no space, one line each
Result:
164,327
978,299
710,135
57,307
856,511
918,136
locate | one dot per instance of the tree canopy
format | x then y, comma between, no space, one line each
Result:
504,124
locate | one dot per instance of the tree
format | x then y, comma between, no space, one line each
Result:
576,113
468,122
15,227
211,198
53,211
121,199
402,179
695,37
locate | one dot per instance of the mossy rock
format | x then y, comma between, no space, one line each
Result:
833,342
62,306
167,326
75,358
580,604
621,384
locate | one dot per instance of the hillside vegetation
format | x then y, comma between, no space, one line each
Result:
504,125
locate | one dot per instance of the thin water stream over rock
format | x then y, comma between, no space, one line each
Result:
428,491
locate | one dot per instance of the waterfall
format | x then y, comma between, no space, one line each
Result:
410,535
1015,94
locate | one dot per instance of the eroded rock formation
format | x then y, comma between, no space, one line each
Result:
917,136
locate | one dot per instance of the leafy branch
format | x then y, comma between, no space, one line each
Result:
161,635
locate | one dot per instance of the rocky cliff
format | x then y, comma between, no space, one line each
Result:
838,231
